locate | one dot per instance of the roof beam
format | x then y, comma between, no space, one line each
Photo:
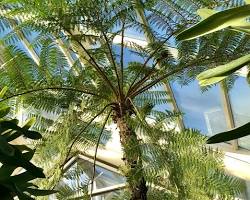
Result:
228,111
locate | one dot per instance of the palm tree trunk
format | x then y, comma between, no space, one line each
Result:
132,159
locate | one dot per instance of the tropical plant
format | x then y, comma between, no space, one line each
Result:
173,167
16,171
62,141
236,20
77,187
78,76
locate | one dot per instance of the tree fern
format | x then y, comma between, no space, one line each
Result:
98,86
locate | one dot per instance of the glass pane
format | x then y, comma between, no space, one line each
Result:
31,37
131,31
202,110
129,55
103,177
76,180
163,106
240,98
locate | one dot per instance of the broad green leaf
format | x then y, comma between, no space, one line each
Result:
19,160
15,121
217,21
211,81
247,1
26,185
241,29
12,157
28,155
37,192
3,91
230,135
6,171
29,134
23,148
5,147
4,127
21,195
4,111
10,125
219,73
29,122
205,12
22,178
35,171
32,135
6,194
13,136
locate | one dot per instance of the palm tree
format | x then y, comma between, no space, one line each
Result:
97,87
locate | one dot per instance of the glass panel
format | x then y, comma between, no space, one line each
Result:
129,55
240,98
163,106
202,110
78,177
31,37
103,177
132,32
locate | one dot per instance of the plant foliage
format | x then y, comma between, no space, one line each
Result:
73,72
235,19
17,172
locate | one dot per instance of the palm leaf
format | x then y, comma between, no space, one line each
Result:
219,73
230,135
229,18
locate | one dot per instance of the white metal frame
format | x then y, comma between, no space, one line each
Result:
101,191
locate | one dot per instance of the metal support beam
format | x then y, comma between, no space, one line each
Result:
169,90
150,38
65,51
228,111
25,43
106,190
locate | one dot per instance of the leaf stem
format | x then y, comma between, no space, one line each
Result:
51,88
96,149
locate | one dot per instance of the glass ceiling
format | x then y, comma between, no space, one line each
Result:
202,110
